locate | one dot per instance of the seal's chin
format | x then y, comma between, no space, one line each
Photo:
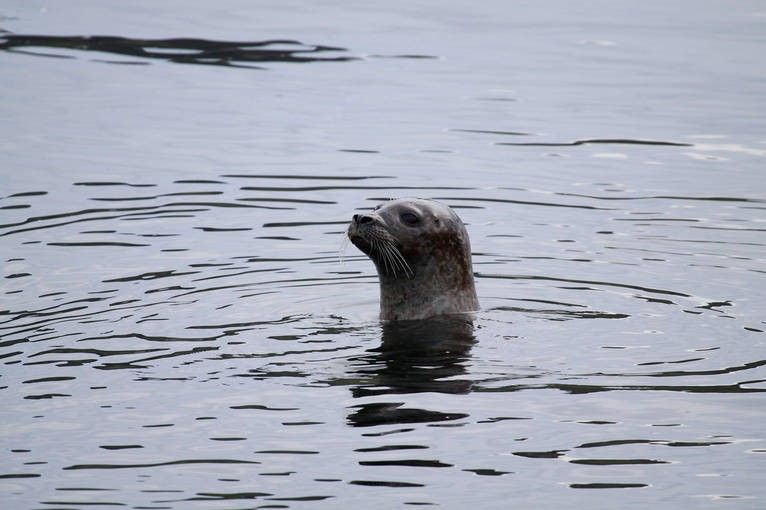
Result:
361,243
382,249
358,239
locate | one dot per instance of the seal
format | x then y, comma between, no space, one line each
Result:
422,254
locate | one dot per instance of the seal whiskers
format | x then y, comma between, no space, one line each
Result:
397,258
342,249
383,243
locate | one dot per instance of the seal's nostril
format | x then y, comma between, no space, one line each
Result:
361,219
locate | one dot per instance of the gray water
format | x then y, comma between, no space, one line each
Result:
181,326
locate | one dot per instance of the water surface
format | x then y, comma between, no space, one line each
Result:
182,327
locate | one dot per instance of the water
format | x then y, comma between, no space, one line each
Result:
178,330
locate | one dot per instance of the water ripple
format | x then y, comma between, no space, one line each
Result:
179,50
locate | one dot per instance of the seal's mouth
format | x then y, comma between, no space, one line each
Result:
375,241
360,242
358,236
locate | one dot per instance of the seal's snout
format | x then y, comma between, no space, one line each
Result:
360,226
359,231
361,219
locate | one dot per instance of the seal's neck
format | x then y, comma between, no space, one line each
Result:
433,290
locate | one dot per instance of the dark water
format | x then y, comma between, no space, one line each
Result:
181,326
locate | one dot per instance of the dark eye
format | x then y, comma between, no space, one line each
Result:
410,219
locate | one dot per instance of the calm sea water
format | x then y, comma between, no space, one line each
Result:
181,326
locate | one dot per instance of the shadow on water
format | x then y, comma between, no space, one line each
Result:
607,141
575,143
414,356
179,50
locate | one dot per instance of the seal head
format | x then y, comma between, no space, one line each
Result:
422,253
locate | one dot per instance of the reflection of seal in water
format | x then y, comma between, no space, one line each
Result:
423,257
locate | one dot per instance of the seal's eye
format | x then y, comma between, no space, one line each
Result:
410,219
